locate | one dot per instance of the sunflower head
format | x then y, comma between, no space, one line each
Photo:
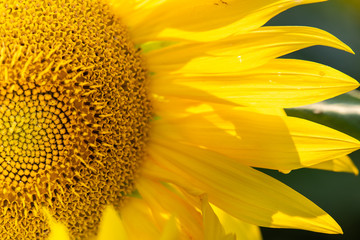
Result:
75,110
74,114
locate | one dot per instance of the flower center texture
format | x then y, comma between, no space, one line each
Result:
74,115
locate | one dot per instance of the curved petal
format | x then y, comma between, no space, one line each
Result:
58,231
137,213
134,12
258,140
111,226
241,191
238,53
341,164
189,219
172,107
212,226
202,20
242,230
281,83
317,141
171,231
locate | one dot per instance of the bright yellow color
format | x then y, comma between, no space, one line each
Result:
181,165
342,164
248,87
212,226
235,188
285,144
58,230
201,20
111,227
170,202
73,99
171,231
241,229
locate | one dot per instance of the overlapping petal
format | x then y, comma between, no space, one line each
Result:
201,20
137,213
242,230
230,60
342,164
259,140
279,83
241,191
171,231
111,226
238,53
189,219
212,226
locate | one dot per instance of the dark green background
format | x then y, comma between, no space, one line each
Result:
336,193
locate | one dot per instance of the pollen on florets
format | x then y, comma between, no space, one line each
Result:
74,115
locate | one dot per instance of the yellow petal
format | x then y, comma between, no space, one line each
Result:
136,213
172,107
270,111
58,231
133,12
242,230
241,191
315,141
122,8
189,218
203,20
341,164
238,53
281,83
258,140
111,227
171,232
212,226
152,170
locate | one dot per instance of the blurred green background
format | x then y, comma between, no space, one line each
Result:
336,193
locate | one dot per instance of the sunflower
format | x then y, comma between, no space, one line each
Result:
144,119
